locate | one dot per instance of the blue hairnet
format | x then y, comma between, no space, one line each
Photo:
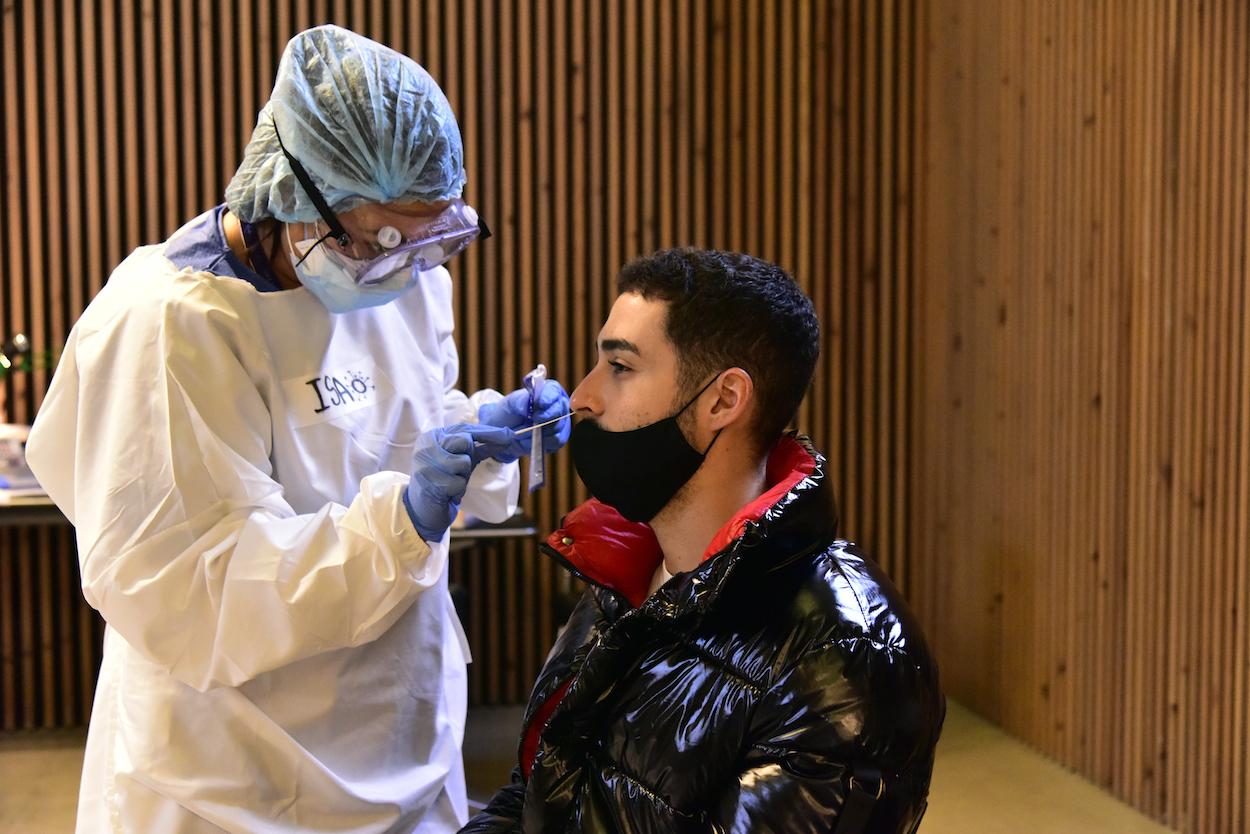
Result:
368,123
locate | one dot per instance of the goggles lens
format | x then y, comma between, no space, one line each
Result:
434,244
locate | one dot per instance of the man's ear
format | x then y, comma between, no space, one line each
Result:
735,393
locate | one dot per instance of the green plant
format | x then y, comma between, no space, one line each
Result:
16,355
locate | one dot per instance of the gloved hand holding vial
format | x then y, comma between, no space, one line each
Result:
541,405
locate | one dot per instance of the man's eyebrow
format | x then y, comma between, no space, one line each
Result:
619,345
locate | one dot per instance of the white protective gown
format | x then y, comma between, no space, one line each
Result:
281,652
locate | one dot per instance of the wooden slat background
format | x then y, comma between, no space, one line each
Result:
1022,222
1082,387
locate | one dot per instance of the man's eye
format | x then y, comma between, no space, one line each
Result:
618,368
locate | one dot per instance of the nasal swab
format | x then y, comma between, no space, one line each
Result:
547,423
538,426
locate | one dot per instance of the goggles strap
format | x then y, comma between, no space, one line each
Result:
323,208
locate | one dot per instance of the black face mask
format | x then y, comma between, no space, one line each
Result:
637,472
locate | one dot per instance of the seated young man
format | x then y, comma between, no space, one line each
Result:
732,666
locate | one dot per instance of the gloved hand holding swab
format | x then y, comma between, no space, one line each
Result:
542,406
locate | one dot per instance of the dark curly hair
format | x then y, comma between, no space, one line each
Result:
727,310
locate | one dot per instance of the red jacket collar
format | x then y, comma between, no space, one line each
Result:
597,542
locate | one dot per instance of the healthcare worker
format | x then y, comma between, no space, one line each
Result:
256,432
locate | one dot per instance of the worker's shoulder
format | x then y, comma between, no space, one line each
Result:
147,292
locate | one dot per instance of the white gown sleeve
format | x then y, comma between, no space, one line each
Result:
494,487
155,441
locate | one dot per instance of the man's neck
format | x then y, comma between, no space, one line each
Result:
722,486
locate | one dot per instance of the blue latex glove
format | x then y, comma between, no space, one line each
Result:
513,412
444,460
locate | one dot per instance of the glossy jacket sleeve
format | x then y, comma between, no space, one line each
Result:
154,439
503,814
795,771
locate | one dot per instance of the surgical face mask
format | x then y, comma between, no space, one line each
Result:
331,276
636,472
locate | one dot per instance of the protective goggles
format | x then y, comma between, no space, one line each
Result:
434,243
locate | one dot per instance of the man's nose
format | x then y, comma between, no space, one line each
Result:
584,399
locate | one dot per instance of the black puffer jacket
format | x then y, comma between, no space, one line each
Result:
742,696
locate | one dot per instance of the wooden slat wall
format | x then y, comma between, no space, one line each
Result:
1082,387
595,132
1023,224
49,638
